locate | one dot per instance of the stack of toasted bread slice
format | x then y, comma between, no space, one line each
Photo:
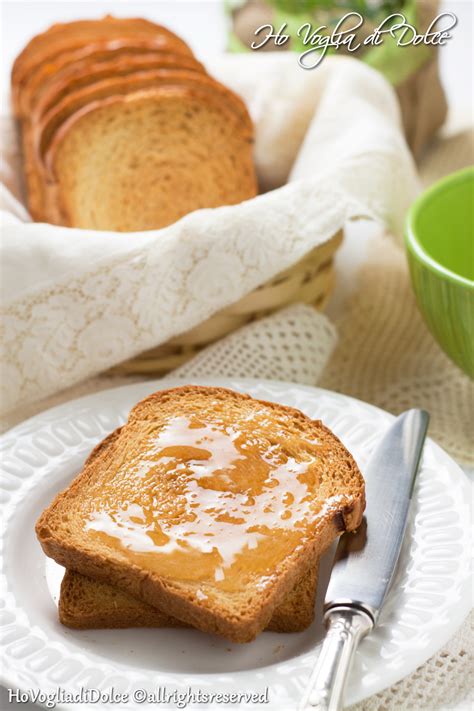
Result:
209,509
85,603
123,130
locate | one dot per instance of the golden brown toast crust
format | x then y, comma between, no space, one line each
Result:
88,604
215,616
83,74
122,85
114,58
63,64
41,133
73,35
41,55
209,152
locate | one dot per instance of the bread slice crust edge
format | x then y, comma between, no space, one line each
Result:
170,596
87,604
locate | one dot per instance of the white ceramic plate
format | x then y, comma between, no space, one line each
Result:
428,600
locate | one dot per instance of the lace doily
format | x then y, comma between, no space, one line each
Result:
443,682
77,302
384,355
387,356
293,345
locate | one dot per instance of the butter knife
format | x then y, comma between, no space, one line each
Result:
365,561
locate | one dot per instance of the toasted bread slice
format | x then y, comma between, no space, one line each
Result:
74,35
85,603
38,138
82,74
208,504
72,68
142,161
130,83
76,67
89,604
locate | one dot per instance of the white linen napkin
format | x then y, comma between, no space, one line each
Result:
329,148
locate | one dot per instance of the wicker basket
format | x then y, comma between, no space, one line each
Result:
308,281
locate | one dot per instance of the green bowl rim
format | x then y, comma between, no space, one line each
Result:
411,240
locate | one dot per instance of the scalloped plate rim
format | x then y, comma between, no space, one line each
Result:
12,678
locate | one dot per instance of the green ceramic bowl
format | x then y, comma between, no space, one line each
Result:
440,244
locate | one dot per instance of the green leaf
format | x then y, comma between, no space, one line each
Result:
395,63
298,7
398,63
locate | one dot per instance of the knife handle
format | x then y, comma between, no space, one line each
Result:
345,628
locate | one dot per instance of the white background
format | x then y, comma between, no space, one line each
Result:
202,24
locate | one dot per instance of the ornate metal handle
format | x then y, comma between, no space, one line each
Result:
346,627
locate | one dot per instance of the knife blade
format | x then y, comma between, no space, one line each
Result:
365,561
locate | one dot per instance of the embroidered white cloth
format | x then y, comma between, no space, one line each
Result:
296,344
329,148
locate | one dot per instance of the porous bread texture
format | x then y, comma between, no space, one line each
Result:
60,76
70,69
89,604
40,130
39,134
71,35
123,85
85,62
238,613
144,160
85,603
